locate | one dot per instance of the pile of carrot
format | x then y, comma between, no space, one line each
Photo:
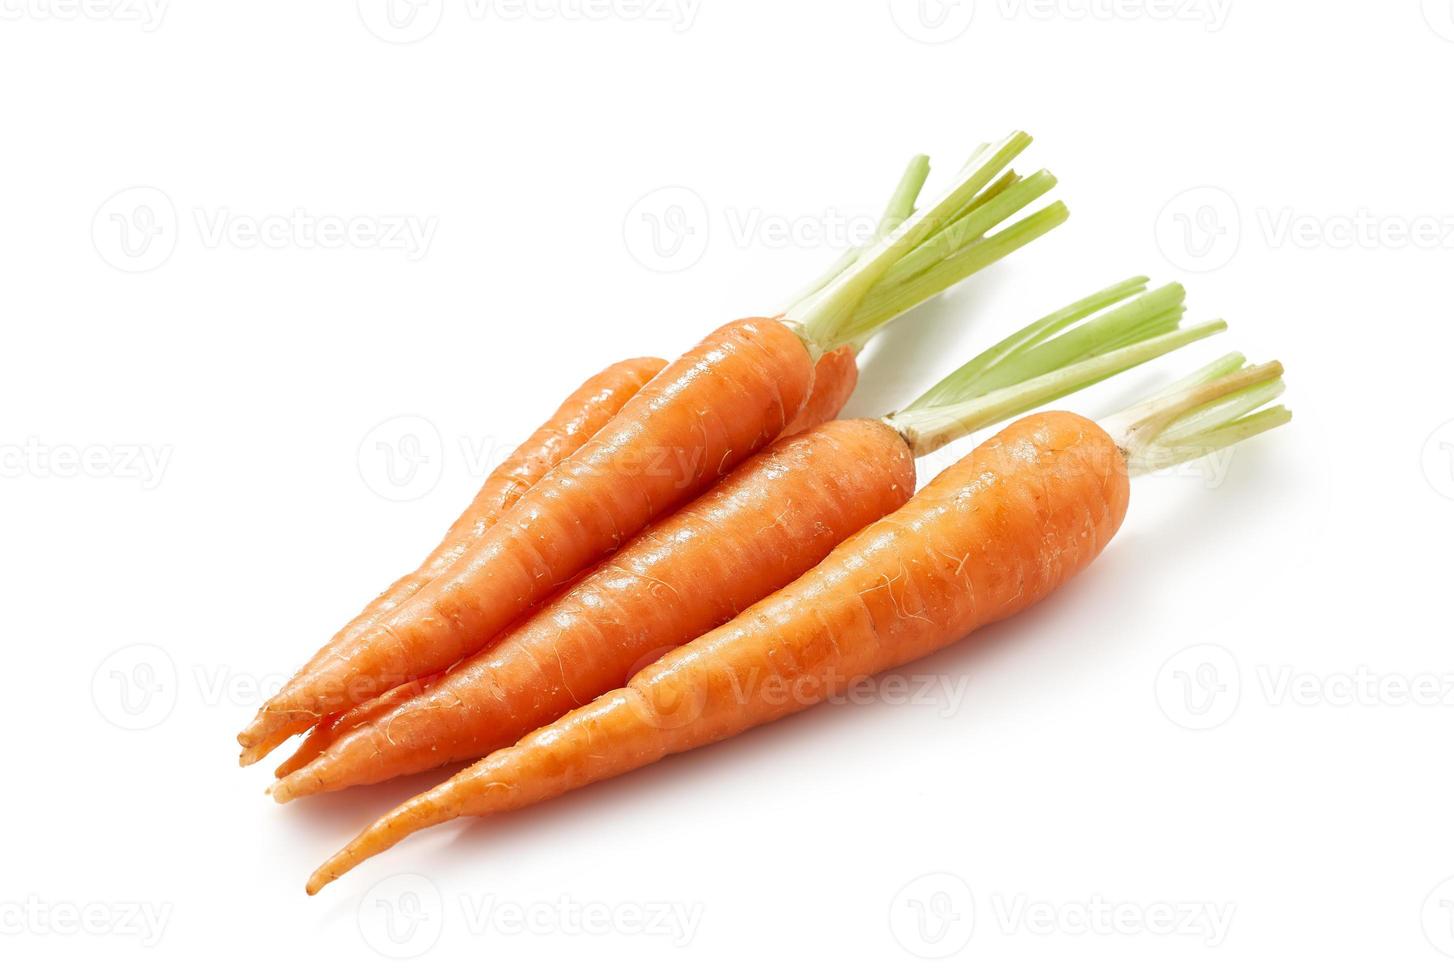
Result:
587,615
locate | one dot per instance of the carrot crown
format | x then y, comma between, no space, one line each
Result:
1208,411
920,253
1062,353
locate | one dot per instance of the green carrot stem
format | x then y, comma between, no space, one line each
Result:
899,207
971,226
1199,415
961,385
883,305
928,429
824,320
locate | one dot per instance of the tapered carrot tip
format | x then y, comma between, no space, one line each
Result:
438,805
285,790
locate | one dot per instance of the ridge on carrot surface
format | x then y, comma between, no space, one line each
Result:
701,416
991,535
770,521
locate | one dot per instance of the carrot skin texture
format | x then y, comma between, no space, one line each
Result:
996,532
705,413
583,413
834,379
771,520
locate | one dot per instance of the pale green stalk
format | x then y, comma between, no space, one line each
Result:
825,319
883,305
928,429
961,384
1205,413
900,206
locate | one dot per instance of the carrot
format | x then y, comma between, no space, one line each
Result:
770,521
578,418
833,383
704,414
991,535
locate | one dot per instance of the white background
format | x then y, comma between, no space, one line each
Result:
1075,771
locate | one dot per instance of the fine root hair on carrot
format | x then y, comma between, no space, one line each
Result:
1212,409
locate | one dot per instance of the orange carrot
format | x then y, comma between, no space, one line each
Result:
990,536
703,415
833,383
579,417
770,521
